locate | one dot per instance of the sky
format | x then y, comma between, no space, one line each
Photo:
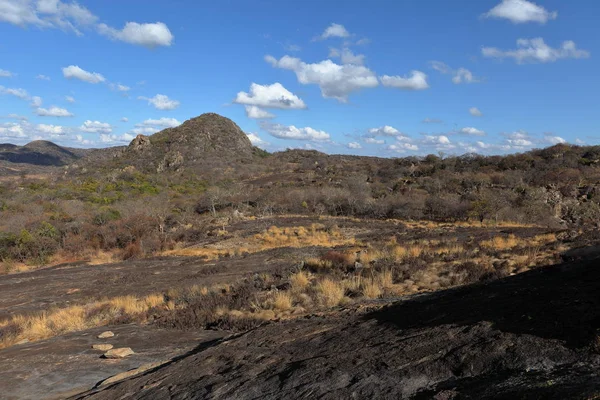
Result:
383,78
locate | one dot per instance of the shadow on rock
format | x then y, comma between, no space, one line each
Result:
557,302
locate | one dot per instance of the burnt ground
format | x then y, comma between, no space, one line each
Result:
529,336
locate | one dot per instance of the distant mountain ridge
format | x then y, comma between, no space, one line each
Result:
40,152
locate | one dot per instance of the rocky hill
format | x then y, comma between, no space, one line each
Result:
209,141
40,152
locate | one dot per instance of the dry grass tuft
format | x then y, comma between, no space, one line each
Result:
331,293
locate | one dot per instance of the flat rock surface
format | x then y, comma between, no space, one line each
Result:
63,366
529,336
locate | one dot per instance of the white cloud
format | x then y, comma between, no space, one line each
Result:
402,147
432,121
460,75
20,93
51,129
96,127
472,131
372,140
385,131
536,50
335,30
161,102
36,101
70,99
53,112
463,75
554,139
255,112
441,139
124,119
12,131
74,72
270,96
6,74
521,11
124,138
42,77
416,81
347,56
363,42
336,81
14,116
520,142
46,14
119,87
163,122
256,140
291,132
291,47
147,35
354,145
474,111
81,140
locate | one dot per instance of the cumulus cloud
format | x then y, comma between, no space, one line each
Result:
24,131
74,72
256,140
163,122
270,96
536,51
519,139
372,140
552,139
53,112
70,16
148,35
46,14
17,92
402,147
521,11
472,131
354,145
416,81
347,56
70,99
474,111
119,87
51,129
36,101
335,81
6,74
255,112
124,119
385,131
42,77
292,132
161,102
335,30
440,139
460,75
96,127
109,138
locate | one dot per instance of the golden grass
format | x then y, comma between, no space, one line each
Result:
77,317
271,238
370,289
282,301
299,281
330,292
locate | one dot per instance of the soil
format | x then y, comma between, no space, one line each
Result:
529,336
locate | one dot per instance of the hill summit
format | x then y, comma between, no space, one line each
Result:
209,141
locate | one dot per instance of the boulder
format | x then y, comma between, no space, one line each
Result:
102,346
121,352
105,335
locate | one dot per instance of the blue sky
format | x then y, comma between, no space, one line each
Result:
386,78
